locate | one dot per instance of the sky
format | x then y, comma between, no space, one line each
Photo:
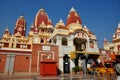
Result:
100,16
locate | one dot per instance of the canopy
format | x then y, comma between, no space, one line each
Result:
73,54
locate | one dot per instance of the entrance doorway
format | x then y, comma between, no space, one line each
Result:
9,64
66,63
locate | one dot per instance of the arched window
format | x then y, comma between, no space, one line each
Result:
80,44
42,40
91,44
64,41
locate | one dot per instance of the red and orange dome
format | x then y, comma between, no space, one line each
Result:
41,16
73,17
21,21
20,26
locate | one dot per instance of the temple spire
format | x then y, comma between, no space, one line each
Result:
20,26
72,10
118,25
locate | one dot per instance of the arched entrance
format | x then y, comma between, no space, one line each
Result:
66,63
80,45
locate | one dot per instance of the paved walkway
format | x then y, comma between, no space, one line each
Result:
61,77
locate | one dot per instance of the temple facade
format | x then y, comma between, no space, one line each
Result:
115,44
76,42
112,49
62,46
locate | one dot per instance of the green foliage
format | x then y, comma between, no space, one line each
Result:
77,69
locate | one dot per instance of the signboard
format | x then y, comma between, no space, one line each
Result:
46,48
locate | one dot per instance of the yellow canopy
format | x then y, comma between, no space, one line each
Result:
73,53
84,52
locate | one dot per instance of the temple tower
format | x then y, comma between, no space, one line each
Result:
20,27
42,28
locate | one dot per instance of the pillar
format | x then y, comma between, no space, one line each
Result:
95,46
61,64
59,40
70,40
30,65
38,59
10,64
87,45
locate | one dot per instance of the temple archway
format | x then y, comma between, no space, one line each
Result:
80,45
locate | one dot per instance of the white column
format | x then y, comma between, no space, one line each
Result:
59,40
87,45
7,63
95,46
61,64
72,64
30,64
95,43
38,61
11,67
70,41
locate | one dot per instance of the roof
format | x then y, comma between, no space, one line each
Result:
21,21
61,27
73,17
41,16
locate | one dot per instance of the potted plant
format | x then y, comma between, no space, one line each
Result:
77,69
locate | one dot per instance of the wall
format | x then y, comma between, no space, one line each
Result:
2,62
37,51
21,63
